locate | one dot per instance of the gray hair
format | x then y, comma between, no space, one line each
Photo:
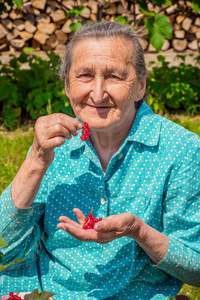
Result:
102,30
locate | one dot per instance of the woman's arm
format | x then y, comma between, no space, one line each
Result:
50,132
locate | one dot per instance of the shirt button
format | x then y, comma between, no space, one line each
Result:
120,156
103,201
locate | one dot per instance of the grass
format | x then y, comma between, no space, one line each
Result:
14,147
13,151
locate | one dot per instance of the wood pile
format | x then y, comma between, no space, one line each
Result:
45,25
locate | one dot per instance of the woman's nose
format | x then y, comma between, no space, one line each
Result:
98,93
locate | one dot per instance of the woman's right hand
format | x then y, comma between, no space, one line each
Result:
51,132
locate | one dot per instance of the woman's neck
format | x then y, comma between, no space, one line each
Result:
107,143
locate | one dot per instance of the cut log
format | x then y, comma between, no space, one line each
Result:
41,37
179,19
17,43
120,9
30,18
69,4
3,31
177,26
197,21
179,34
93,6
25,35
62,37
143,43
35,44
58,15
166,45
46,28
112,9
60,48
66,28
93,17
179,45
52,42
15,14
85,13
186,24
7,23
29,27
193,45
197,34
171,9
4,15
19,24
34,11
3,47
12,34
43,18
39,4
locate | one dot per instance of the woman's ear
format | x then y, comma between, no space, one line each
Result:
66,88
141,90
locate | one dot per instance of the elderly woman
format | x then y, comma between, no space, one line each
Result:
138,171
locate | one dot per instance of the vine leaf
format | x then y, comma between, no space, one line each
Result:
158,27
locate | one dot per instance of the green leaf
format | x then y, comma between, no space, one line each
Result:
156,39
19,3
76,11
28,49
168,3
3,243
75,26
122,20
164,26
35,295
146,12
196,7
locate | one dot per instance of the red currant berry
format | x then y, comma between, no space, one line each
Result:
86,124
90,215
100,219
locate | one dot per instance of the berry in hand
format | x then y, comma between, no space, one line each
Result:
85,132
90,221
13,296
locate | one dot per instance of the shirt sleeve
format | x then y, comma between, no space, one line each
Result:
181,220
21,228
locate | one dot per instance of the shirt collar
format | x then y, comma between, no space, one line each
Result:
145,130
146,127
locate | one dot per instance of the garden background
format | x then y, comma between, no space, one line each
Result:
33,36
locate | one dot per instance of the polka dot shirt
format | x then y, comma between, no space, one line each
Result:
155,175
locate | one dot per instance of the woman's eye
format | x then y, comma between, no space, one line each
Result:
85,75
112,76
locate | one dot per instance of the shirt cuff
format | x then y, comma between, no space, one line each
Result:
13,212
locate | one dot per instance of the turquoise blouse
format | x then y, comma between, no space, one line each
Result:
155,175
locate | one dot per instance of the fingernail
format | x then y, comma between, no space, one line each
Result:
98,227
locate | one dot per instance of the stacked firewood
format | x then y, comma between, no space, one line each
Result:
45,24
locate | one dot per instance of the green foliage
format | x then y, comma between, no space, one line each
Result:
30,93
77,23
174,88
76,11
157,26
2,244
35,295
122,20
13,151
3,3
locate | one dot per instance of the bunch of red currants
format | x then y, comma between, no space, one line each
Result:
13,296
90,221
85,132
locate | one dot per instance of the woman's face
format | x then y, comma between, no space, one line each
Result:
103,85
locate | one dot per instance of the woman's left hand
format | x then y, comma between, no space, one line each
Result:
104,231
